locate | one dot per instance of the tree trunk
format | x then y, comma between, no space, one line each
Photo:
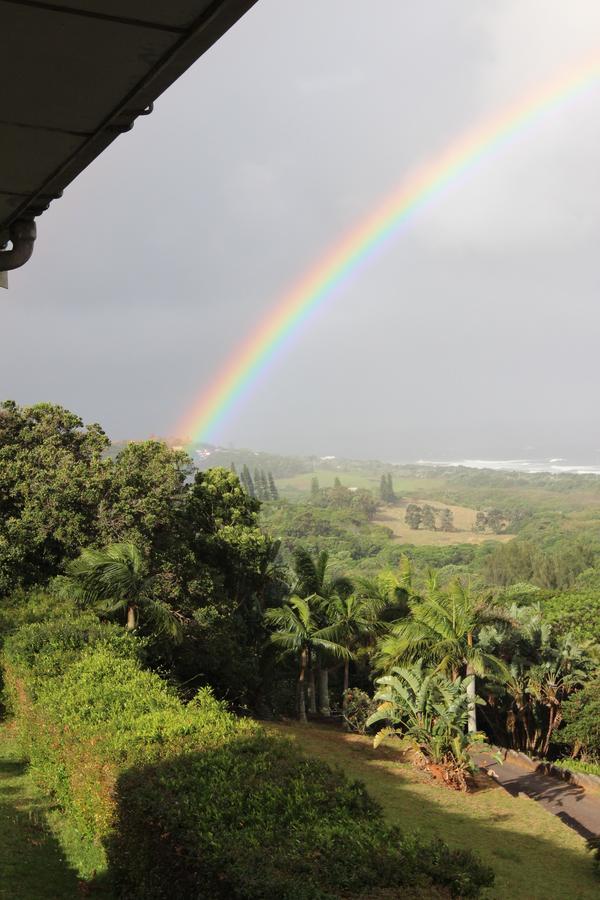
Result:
131,618
301,699
325,707
346,679
472,694
312,693
346,686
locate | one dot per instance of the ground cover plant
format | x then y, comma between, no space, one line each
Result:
235,812
578,765
33,863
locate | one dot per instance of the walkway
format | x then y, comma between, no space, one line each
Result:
577,808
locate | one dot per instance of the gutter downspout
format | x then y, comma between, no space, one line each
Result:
22,235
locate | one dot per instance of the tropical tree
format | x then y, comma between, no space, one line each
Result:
52,476
297,631
116,580
356,619
543,669
312,579
441,630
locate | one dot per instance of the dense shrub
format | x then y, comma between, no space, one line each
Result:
359,706
189,801
581,716
256,819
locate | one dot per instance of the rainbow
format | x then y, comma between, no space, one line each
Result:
270,337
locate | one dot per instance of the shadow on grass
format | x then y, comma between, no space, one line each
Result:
33,863
534,857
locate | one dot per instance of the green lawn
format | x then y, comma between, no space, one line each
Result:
297,485
32,864
534,855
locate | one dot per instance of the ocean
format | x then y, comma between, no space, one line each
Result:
556,465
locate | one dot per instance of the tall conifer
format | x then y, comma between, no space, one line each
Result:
273,487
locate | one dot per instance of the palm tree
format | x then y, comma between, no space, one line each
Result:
312,579
356,619
441,630
116,579
298,631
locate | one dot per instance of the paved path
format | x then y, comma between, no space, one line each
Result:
577,808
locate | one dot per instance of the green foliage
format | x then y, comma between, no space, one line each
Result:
446,520
441,630
578,765
189,801
43,650
543,668
142,494
346,532
52,477
429,712
386,489
593,845
358,707
575,613
413,516
62,493
258,820
554,566
116,580
581,717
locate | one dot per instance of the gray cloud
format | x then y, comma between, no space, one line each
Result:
475,333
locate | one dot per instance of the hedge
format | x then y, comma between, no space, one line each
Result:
189,801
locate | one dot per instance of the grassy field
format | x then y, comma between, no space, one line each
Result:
32,864
581,500
296,485
464,519
534,855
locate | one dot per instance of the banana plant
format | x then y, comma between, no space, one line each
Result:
429,713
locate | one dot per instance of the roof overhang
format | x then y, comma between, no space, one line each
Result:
76,74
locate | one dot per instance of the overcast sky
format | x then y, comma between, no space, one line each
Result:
476,334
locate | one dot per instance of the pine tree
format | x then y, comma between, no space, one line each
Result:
314,487
273,487
428,519
265,491
414,515
390,489
495,521
233,468
446,520
481,522
247,482
384,489
336,482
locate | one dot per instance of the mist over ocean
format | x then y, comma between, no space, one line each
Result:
554,465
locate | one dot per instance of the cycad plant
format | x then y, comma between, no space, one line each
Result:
116,580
